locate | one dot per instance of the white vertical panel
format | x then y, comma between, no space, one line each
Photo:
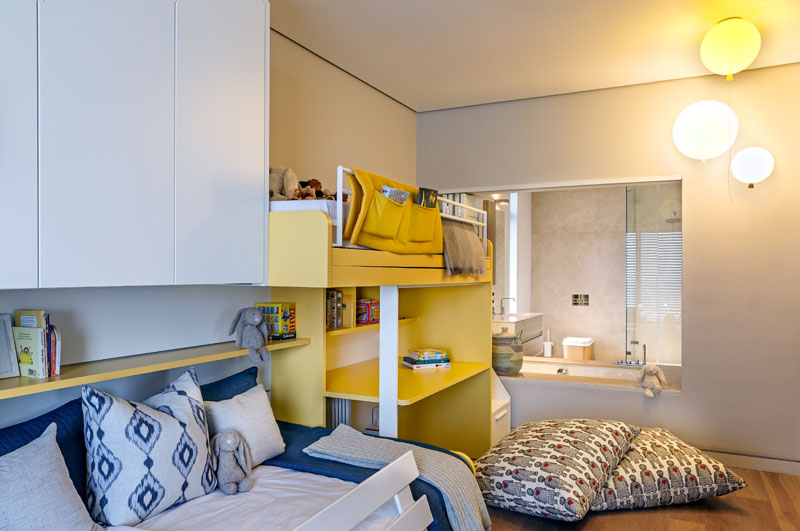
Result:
220,201
388,365
106,133
18,178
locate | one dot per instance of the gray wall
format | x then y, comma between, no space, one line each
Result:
741,303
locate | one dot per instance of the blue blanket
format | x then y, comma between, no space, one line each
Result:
298,437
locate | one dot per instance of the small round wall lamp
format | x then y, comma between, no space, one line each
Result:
730,46
705,129
752,165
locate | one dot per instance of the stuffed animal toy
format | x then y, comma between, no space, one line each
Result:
251,332
652,379
283,183
233,462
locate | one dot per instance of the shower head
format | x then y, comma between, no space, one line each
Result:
673,218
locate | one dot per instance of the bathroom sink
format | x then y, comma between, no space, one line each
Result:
527,325
514,317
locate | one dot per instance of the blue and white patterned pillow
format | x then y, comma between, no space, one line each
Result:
143,458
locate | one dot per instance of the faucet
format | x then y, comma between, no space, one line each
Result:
503,308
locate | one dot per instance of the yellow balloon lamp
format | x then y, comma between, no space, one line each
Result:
730,46
752,165
705,129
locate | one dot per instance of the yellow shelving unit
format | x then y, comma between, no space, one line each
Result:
359,381
363,328
99,371
450,408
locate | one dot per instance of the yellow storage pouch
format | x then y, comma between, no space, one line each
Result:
378,222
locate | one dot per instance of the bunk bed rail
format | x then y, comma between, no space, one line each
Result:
459,211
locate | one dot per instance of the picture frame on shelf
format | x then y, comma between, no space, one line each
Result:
9,367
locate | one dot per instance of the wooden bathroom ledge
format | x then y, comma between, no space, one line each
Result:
110,369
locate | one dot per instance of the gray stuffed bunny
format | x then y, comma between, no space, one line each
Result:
233,462
251,333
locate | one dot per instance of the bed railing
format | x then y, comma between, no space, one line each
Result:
459,210
390,482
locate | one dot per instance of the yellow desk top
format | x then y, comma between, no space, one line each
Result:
99,371
360,380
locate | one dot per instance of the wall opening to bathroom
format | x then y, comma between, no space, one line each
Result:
604,264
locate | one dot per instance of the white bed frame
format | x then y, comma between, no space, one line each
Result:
390,482
338,240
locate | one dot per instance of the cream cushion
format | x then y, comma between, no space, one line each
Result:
35,489
251,415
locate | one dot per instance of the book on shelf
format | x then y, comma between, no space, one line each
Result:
424,366
334,309
412,361
427,354
55,345
31,349
39,319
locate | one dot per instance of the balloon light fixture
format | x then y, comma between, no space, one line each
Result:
730,46
752,165
705,129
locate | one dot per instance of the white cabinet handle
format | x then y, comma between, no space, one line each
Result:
501,415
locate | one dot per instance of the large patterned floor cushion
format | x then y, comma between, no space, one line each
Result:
660,469
553,468
143,458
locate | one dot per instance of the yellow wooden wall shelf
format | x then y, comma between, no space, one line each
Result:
363,327
99,371
360,381
315,264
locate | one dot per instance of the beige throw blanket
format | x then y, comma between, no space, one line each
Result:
463,250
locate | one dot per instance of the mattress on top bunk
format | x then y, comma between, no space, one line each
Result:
280,499
323,205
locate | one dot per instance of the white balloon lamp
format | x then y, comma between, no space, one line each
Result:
752,165
705,129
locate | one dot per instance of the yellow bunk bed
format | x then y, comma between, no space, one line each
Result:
421,306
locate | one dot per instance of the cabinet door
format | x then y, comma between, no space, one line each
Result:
106,136
220,192
18,166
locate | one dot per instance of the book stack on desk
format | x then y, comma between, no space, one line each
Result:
429,358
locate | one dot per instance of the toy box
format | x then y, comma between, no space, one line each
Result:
280,318
368,311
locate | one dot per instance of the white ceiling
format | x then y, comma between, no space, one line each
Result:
435,54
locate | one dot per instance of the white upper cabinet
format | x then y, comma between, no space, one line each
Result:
221,99
106,142
18,180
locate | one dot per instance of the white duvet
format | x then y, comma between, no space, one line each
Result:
280,499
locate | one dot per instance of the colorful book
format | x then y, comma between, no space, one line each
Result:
55,342
39,319
412,361
427,354
423,366
398,196
31,348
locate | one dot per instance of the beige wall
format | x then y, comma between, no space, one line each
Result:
578,246
741,302
321,117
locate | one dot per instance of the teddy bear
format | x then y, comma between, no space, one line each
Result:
652,379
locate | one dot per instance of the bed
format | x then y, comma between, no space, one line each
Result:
292,491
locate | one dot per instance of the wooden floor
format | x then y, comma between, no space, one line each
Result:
771,501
